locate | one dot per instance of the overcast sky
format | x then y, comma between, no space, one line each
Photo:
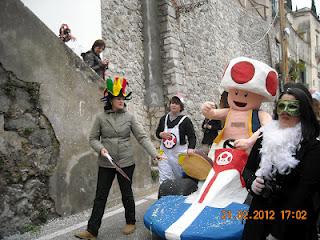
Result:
305,3
84,17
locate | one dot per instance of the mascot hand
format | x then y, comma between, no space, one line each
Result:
243,144
208,109
258,185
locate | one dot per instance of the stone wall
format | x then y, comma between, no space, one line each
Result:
198,40
29,151
122,29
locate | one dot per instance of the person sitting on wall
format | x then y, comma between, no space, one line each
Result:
65,33
93,59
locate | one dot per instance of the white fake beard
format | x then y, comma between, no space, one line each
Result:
278,147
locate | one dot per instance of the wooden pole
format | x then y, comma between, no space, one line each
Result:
284,43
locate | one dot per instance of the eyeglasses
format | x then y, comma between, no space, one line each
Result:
291,107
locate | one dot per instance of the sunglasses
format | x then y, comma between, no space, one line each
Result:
291,107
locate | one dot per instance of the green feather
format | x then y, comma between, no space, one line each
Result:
110,85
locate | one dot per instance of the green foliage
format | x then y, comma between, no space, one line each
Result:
154,174
295,69
31,228
43,215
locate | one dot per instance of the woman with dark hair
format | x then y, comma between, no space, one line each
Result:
92,58
110,138
282,173
175,130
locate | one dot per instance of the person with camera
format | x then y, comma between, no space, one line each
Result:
93,59
283,172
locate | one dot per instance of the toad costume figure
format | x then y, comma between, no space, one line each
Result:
249,83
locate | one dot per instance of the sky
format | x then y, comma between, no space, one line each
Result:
84,18
305,3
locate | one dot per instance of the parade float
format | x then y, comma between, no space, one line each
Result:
218,209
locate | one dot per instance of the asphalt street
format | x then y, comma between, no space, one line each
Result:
112,223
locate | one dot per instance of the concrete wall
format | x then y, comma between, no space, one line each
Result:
69,97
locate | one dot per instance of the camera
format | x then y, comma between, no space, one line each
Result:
271,188
66,31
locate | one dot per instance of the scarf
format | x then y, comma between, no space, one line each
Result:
279,146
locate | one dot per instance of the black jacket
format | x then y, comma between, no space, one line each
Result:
292,195
94,61
185,130
210,134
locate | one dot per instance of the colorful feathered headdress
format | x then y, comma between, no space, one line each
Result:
115,88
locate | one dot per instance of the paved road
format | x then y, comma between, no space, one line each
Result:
113,221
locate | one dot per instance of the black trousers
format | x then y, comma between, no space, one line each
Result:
104,183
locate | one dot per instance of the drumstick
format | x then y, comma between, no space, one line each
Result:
117,167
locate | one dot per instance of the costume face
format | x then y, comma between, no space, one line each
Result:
243,100
285,119
117,103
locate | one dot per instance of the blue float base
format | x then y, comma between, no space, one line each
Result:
212,223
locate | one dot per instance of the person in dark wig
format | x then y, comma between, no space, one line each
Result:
110,138
282,172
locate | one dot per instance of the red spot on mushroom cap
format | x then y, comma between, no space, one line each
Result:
272,83
242,72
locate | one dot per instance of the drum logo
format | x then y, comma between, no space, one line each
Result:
169,143
224,158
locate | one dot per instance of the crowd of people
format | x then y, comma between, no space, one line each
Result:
281,173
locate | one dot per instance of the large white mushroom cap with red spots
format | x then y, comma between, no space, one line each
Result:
251,75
